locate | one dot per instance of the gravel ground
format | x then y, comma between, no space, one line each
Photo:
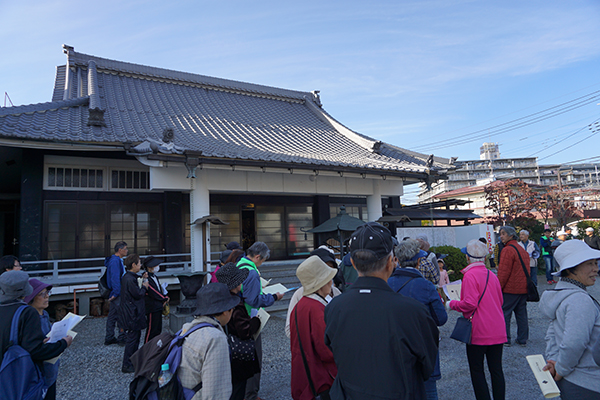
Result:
90,370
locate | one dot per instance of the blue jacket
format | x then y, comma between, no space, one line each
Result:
115,270
252,289
421,290
424,292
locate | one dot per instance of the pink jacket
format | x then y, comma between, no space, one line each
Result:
488,320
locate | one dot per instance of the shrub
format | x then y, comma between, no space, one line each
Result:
581,225
455,261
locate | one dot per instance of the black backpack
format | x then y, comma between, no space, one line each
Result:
147,361
103,286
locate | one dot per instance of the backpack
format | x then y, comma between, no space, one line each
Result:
20,376
103,286
148,360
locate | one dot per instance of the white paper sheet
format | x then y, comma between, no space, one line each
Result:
452,290
61,328
264,282
277,288
264,317
543,378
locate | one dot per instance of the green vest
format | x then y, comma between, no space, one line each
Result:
245,263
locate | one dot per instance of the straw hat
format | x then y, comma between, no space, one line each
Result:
314,274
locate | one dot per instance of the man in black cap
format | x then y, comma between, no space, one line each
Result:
384,344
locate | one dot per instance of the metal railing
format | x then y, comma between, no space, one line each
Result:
88,270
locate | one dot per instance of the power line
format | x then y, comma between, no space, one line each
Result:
516,123
560,141
594,132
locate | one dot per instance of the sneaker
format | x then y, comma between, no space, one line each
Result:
111,341
552,282
521,344
507,344
127,370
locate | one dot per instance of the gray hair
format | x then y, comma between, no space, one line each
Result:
367,263
405,251
259,249
510,231
524,231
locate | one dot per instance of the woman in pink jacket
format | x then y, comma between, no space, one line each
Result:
481,296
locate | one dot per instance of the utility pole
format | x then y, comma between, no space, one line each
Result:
559,179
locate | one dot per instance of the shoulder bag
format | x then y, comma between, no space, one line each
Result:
318,396
464,326
240,349
532,292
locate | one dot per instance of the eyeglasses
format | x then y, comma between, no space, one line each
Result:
45,293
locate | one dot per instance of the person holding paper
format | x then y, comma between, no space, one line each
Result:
132,311
255,299
155,299
39,299
575,322
481,299
310,355
14,287
240,325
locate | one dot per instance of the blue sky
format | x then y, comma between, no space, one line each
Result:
411,73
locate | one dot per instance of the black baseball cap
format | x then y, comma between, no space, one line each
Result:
374,237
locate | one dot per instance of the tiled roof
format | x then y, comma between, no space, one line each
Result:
461,191
103,101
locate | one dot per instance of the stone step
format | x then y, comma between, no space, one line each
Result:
283,272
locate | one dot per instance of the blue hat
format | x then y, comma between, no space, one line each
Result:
215,298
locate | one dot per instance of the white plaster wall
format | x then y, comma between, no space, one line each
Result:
457,236
240,181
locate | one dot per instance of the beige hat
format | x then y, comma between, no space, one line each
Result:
314,274
572,253
475,249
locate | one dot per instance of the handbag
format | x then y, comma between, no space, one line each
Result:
464,326
532,292
239,349
324,395
166,309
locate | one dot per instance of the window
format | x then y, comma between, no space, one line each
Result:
123,179
90,229
74,178
74,173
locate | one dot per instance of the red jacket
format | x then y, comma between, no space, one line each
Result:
318,356
510,272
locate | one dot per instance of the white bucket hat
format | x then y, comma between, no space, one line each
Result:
572,253
314,274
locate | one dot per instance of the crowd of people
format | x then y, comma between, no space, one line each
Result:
370,334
